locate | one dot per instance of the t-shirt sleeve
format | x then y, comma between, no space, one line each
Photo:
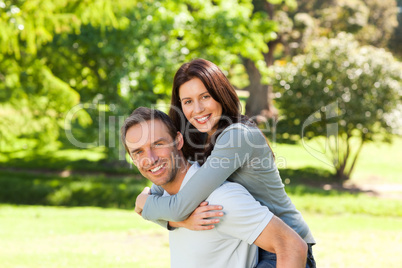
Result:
231,150
244,217
158,191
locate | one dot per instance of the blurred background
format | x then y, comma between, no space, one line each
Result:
323,80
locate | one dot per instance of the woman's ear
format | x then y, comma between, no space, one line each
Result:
179,141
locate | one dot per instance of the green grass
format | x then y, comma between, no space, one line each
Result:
34,236
78,237
356,240
335,203
378,162
351,229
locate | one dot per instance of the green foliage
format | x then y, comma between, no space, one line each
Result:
30,189
33,97
372,21
358,87
22,188
396,39
114,56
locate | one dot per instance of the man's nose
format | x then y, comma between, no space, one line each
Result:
150,158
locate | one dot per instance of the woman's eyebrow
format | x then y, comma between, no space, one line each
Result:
206,92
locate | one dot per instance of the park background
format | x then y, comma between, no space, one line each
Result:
323,79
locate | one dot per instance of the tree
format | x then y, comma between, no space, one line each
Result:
34,99
339,85
259,104
231,33
396,39
371,21
115,70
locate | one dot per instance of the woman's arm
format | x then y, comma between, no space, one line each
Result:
202,218
158,191
232,149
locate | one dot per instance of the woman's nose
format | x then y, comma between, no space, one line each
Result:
199,107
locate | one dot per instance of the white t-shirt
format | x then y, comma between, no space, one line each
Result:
230,243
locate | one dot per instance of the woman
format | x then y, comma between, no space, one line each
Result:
226,144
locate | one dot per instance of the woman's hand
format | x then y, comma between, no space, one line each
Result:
141,199
200,219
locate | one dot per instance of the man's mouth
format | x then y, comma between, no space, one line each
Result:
202,120
157,169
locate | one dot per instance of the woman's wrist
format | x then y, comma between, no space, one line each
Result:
173,224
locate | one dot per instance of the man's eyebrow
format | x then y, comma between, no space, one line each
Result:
159,140
134,150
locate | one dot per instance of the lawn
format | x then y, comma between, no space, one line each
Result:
352,230
34,236
378,162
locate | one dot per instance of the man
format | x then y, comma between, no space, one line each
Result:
154,145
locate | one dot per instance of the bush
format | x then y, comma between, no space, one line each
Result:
340,91
23,188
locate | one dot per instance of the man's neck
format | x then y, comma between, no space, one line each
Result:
174,186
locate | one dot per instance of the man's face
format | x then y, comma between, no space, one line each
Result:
153,151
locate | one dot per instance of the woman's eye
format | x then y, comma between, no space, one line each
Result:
205,97
187,102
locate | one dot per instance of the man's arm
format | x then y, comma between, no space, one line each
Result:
246,219
279,238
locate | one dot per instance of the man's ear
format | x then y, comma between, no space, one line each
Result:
179,141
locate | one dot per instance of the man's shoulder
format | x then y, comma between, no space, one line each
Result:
228,191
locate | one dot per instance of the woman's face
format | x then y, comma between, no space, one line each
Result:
200,109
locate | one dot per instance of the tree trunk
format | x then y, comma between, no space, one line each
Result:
259,105
341,174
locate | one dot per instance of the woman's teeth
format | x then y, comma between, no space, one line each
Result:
203,119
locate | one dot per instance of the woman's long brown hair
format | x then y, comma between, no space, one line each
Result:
197,145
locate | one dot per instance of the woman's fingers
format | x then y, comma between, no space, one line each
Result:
208,222
208,208
203,204
204,227
210,214
204,217
146,190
